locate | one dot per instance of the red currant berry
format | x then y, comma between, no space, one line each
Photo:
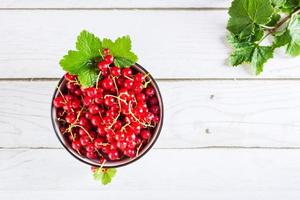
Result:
145,134
141,97
113,155
139,77
153,101
71,86
90,147
129,152
115,71
87,101
150,91
96,120
58,102
76,145
101,130
91,155
70,77
84,140
108,59
70,118
109,101
106,51
93,109
103,66
128,84
127,72
107,83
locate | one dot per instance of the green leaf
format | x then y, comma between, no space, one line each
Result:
244,14
87,76
80,62
293,47
88,44
278,3
260,56
274,19
121,50
73,62
104,175
123,62
241,55
281,39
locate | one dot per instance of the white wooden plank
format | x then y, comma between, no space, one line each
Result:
171,44
217,173
197,114
114,4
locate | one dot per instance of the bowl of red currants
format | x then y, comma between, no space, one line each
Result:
111,124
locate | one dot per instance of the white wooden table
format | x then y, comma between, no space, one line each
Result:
227,133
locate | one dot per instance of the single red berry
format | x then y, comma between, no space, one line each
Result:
78,92
101,130
127,72
58,102
109,101
96,120
128,84
94,109
121,145
90,147
145,134
91,92
81,132
107,83
108,59
106,51
70,118
139,78
84,140
70,77
103,66
129,152
71,86
149,91
153,101
87,101
91,155
115,71
141,97
113,155
76,145
154,109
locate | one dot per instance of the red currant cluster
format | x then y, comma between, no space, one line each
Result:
114,119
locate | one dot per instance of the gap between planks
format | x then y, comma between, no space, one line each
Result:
166,148
119,8
162,79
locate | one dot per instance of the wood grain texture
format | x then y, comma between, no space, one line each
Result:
170,44
197,114
114,4
212,173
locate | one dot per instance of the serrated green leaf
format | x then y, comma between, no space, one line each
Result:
241,55
281,39
236,42
104,175
278,3
260,56
244,14
88,44
121,50
73,62
87,75
123,62
293,47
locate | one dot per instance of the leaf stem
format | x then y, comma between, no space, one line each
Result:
283,21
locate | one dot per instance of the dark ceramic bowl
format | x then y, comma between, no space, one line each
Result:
109,164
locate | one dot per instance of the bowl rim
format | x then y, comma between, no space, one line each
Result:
118,163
